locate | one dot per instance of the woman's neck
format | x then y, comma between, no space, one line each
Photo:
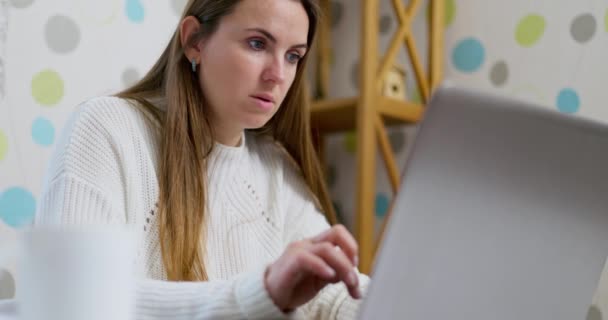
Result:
230,139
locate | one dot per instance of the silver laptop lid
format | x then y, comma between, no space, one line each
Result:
502,215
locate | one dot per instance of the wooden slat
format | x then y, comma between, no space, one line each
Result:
324,44
332,104
366,151
339,115
399,10
436,43
418,70
404,111
412,8
387,154
336,120
391,53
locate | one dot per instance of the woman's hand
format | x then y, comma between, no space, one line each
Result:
309,265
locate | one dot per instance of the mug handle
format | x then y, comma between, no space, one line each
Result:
8,255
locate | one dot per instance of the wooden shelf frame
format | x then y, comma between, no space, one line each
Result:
370,112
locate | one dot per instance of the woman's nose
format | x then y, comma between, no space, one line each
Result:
275,71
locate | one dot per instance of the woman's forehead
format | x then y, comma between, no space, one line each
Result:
286,20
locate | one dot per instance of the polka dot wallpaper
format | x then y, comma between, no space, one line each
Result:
54,55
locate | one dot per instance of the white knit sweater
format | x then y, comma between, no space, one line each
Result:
104,171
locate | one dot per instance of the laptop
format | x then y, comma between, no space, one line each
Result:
502,214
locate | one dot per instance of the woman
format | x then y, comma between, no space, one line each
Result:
209,157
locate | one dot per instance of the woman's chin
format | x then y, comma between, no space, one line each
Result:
256,122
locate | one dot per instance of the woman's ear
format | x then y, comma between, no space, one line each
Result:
187,28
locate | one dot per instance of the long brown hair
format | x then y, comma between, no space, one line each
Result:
186,140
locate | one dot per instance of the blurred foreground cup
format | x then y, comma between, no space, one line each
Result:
74,272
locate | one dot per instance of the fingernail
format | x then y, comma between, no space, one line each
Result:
352,278
330,272
356,262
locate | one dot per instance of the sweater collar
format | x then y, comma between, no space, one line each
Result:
224,160
229,153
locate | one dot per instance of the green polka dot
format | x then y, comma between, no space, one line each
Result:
450,12
350,141
3,145
529,30
47,88
416,96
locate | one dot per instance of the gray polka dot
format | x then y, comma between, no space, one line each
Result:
354,75
337,9
129,77
397,140
62,34
499,73
339,213
594,313
332,56
2,79
178,6
386,22
583,28
7,285
331,175
21,3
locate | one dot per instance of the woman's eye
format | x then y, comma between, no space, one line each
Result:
256,44
293,57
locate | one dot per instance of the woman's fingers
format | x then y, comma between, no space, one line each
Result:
339,236
299,259
284,278
343,255
306,267
337,260
313,264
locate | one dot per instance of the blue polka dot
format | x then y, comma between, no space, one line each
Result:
17,207
568,101
382,204
468,55
135,10
43,132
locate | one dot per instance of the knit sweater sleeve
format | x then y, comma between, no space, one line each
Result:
245,296
85,184
304,220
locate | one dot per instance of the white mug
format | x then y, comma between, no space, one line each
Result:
74,273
